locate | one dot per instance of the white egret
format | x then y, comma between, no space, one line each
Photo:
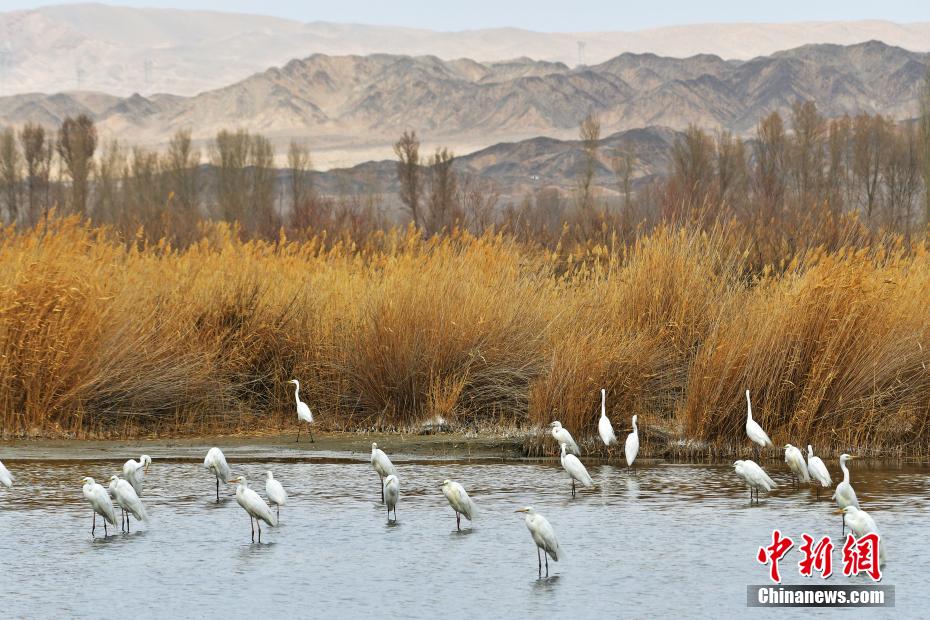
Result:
134,472
543,535
100,502
460,502
631,449
817,471
128,501
576,470
753,430
604,428
6,478
254,505
303,411
216,462
861,523
382,465
754,476
562,435
391,494
845,495
276,493
795,461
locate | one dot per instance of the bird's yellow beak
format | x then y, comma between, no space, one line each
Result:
839,512
521,510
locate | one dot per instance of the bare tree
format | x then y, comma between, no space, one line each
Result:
407,150
262,176
807,148
869,141
229,155
479,199
924,143
589,132
181,165
443,208
32,141
301,183
77,141
10,172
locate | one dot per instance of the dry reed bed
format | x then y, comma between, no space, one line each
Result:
98,339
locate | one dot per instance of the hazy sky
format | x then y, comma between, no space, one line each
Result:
545,15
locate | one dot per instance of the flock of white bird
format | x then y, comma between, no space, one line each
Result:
126,492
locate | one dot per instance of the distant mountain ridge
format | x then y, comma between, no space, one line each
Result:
121,50
340,103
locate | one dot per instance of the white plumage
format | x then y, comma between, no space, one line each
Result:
575,469
99,502
631,449
391,494
461,503
754,476
753,430
543,535
844,494
604,428
861,523
6,478
127,499
303,411
134,472
382,465
816,469
562,435
254,505
275,492
215,461
795,461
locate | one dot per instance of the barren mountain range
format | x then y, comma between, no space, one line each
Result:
351,108
122,50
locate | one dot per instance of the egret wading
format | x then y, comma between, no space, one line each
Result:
795,461
6,478
604,428
382,465
128,501
817,471
100,503
391,494
631,449
303,411
276,493
861,523
254,505
215,461
543,535
755,477
754,431
575,469
460,502
562,435
845,495
134,472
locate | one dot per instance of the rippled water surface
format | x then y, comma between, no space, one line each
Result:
672,540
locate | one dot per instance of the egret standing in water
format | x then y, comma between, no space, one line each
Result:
303,411
845,495
755,477
382,465
562,435
460,502
575,469
817,471
391,494
134,472
275,492
795,461
254,505
861,523
631,449
604,428
6,478
216,462
128,501
100,503
753,430
543,535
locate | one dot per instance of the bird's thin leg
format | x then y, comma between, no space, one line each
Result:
539,559
312,440
127,522
843,519
818,492
105,533
573,487
298,432
252,525
546,555
259,524
382,487
93,527
458,522
278,513
217,488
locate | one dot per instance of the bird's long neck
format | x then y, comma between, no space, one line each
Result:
635,428
297,391
603,403
845,471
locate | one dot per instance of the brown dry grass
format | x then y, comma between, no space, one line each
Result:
98,339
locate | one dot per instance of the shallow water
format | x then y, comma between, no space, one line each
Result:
671,540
